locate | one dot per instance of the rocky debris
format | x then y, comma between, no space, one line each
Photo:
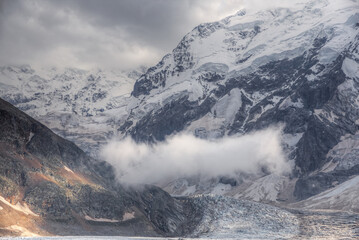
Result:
100,202
225,217
49,200
327,224
228,218
171,216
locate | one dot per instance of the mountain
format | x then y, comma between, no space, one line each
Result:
292,66
296,67
49,186
76,104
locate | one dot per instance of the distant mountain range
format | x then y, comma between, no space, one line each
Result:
83,106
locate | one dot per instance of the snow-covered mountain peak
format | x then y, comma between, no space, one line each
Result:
240,45
243,42
293,65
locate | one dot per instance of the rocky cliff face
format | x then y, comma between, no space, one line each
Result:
50,186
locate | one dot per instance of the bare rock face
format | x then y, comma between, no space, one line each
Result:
172,216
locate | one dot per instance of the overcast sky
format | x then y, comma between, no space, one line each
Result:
107,34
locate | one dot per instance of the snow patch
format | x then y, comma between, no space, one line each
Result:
291,139
311,77
128,216
330,166
30,137
289,103
228,106
327,55
345,153
19,207
350,68
264,189
88,218
324,115
208,125
68,169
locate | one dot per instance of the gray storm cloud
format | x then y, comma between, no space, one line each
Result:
107,34
185,155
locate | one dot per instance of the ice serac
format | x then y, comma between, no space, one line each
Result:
255,69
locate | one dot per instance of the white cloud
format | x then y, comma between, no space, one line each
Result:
184,155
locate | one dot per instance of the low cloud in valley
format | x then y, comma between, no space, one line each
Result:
185,155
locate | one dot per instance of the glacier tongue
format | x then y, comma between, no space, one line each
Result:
225,218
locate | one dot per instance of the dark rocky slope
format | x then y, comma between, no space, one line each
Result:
69,193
